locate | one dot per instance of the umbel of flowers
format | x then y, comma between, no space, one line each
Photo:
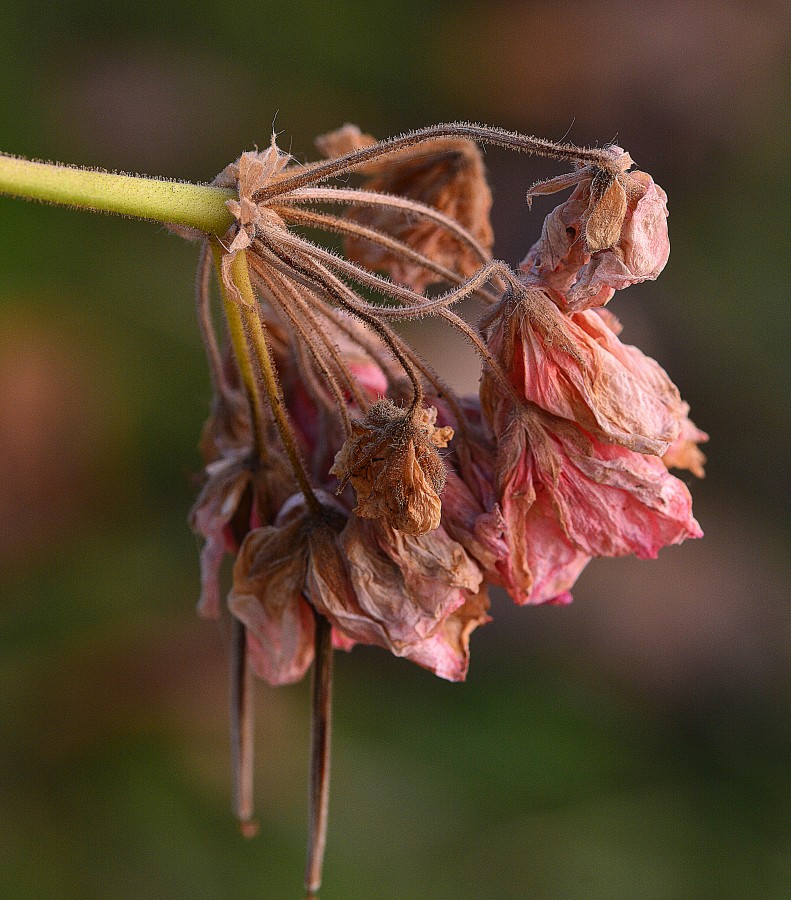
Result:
365,502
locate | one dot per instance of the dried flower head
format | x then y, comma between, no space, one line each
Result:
581,275
392,462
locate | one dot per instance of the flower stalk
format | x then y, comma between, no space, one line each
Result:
242,720
320,739
200,206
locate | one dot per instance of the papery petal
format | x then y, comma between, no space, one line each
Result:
480,532
213,510
684,452
543,562
577,368
405,586
343,140
392,462
581,278
447,652
610,500
269,576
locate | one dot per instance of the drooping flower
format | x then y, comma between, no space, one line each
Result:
392,462
564,457
583,271
418,597
581,451
576,368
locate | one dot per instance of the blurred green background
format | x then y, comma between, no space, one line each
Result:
634,745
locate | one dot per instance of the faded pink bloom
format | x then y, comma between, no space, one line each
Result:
407,590
415,596
579,277
515,545
575,367
543,561
572,469
610,501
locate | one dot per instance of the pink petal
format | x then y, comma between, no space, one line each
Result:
610,500
577,368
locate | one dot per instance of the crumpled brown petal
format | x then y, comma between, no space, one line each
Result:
449,175
404,591
392,462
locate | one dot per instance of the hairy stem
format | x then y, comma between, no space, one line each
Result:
484,134
255,333
200,206
242,730
321,730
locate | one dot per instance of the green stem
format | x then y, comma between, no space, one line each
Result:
198,206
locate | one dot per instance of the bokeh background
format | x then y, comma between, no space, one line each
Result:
633,745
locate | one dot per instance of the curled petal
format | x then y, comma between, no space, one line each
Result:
213,510
641,252
447,652
684,452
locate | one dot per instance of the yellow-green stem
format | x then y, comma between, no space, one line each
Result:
255,333
241,352
200,206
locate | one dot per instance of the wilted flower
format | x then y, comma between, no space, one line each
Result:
392,462
584,271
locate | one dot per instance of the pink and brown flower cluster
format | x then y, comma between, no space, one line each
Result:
362,489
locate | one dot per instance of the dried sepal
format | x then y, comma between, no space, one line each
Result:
607,189
392,462
606,212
